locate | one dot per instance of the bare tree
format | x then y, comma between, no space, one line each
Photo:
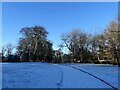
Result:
34,44
3,50
9,48
98,43
77,43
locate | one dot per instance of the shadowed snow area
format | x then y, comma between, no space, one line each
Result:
44,75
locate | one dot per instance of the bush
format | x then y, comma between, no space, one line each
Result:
96,62
105,62
12,58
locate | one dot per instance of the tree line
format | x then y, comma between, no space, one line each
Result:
83,47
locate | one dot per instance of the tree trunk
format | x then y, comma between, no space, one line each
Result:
98,57
117,57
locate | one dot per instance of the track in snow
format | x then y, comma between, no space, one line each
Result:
61,79
93,76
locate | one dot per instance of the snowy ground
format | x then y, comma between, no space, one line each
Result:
44,75
108,73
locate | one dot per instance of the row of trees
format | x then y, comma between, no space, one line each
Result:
83,47
33,46
92,48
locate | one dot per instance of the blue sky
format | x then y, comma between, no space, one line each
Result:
57,18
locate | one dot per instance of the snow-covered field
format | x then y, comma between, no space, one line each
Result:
108,73
44,75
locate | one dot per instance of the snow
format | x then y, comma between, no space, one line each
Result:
108,73
75,79
44,75
30,75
